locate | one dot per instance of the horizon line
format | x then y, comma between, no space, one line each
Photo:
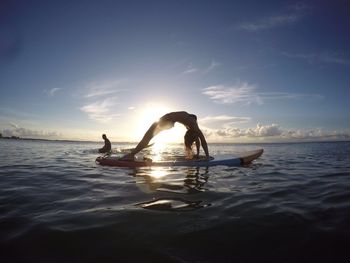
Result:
174,143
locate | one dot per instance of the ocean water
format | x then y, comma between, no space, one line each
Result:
58,205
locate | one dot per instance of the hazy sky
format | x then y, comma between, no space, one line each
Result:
250,70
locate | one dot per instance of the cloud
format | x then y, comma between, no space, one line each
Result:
52,92
239,93
13,125
192,69
222,120
29,133
316,134
295,14
276,132
325,57
104,88
258,131
101,110
264,131
246,94
101,100
270,22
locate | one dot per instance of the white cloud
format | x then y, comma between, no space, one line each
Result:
325,57
270,22
294,15
222,120
14,125
190,69
246,94
239,93
264,131
101,110
52,92
276,132
258,131
29,133
100,100
104,88
316,133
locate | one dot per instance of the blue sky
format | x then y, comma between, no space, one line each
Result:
250,70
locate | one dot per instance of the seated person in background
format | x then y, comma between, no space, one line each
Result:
107,147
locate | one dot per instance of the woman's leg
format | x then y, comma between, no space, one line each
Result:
150,133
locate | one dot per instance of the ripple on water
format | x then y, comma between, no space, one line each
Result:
291,205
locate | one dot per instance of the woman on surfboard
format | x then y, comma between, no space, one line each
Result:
166,122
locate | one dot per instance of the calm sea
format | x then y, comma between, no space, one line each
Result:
58,205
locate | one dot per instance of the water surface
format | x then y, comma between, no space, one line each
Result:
58,205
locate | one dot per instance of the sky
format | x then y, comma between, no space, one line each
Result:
252,71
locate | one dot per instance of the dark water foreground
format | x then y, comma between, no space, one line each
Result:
291,205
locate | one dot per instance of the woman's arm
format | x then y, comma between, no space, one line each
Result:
204,143
198,145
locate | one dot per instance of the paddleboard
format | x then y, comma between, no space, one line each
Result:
239,159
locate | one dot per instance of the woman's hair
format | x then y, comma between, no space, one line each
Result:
189,138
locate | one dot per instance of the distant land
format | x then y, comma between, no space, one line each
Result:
12,137
38,139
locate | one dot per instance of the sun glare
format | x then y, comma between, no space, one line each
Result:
158,172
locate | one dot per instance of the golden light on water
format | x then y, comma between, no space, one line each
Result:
157,149
158,172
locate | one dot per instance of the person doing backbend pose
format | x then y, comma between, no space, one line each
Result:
193,134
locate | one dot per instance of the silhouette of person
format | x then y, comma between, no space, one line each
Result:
167,122
107,147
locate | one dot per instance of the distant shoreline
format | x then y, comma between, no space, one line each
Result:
121,142
45,140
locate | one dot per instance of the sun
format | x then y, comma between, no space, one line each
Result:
150,114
